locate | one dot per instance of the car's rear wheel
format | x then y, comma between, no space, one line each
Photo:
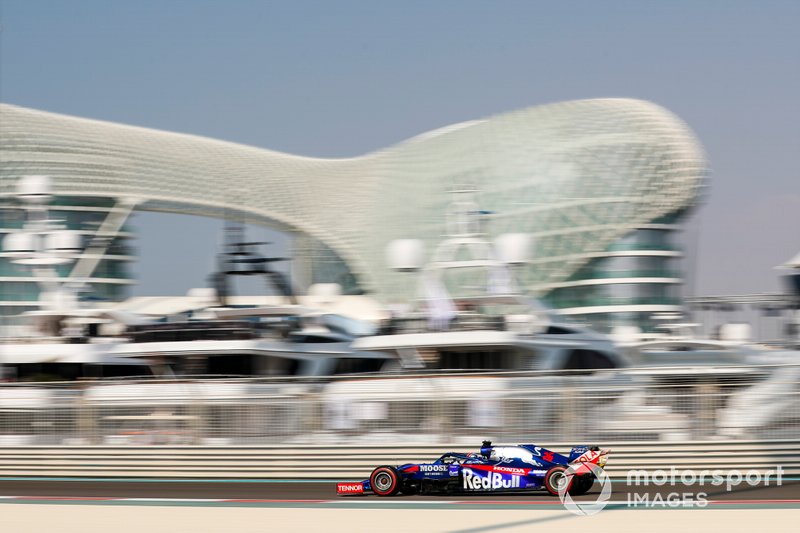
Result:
581,484
556,478
385,481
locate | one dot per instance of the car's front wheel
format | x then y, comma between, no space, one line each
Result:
385,481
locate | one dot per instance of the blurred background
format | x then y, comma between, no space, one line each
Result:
369,224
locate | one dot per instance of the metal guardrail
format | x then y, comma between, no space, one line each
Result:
613,274
351,462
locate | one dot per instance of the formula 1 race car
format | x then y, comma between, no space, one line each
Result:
495,468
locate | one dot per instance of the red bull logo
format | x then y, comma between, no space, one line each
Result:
491,481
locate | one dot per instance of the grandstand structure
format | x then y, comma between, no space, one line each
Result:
601,184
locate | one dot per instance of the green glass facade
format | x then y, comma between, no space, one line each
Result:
109,280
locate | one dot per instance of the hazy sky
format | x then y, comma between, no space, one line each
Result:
340,78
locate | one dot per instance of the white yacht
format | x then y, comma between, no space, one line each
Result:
65,340
45,349
493,328
258,341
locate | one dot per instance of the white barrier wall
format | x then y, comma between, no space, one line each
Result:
356,462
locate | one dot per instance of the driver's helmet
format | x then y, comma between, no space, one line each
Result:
486,449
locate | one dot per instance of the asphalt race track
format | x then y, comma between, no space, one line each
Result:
296,491
97,505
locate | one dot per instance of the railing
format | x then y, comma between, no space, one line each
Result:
725,403
609,300
614,274
630,246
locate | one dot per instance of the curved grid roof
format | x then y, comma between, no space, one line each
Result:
578,175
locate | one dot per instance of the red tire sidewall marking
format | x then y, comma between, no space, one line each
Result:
550,474
387,471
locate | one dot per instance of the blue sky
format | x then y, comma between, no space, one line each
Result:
342,78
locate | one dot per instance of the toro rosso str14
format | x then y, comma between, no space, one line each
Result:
495,468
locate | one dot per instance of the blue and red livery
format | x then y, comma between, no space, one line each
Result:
494,468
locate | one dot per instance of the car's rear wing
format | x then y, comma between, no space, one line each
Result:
594,457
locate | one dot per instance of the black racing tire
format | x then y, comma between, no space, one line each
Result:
385,481
581,484
553,479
